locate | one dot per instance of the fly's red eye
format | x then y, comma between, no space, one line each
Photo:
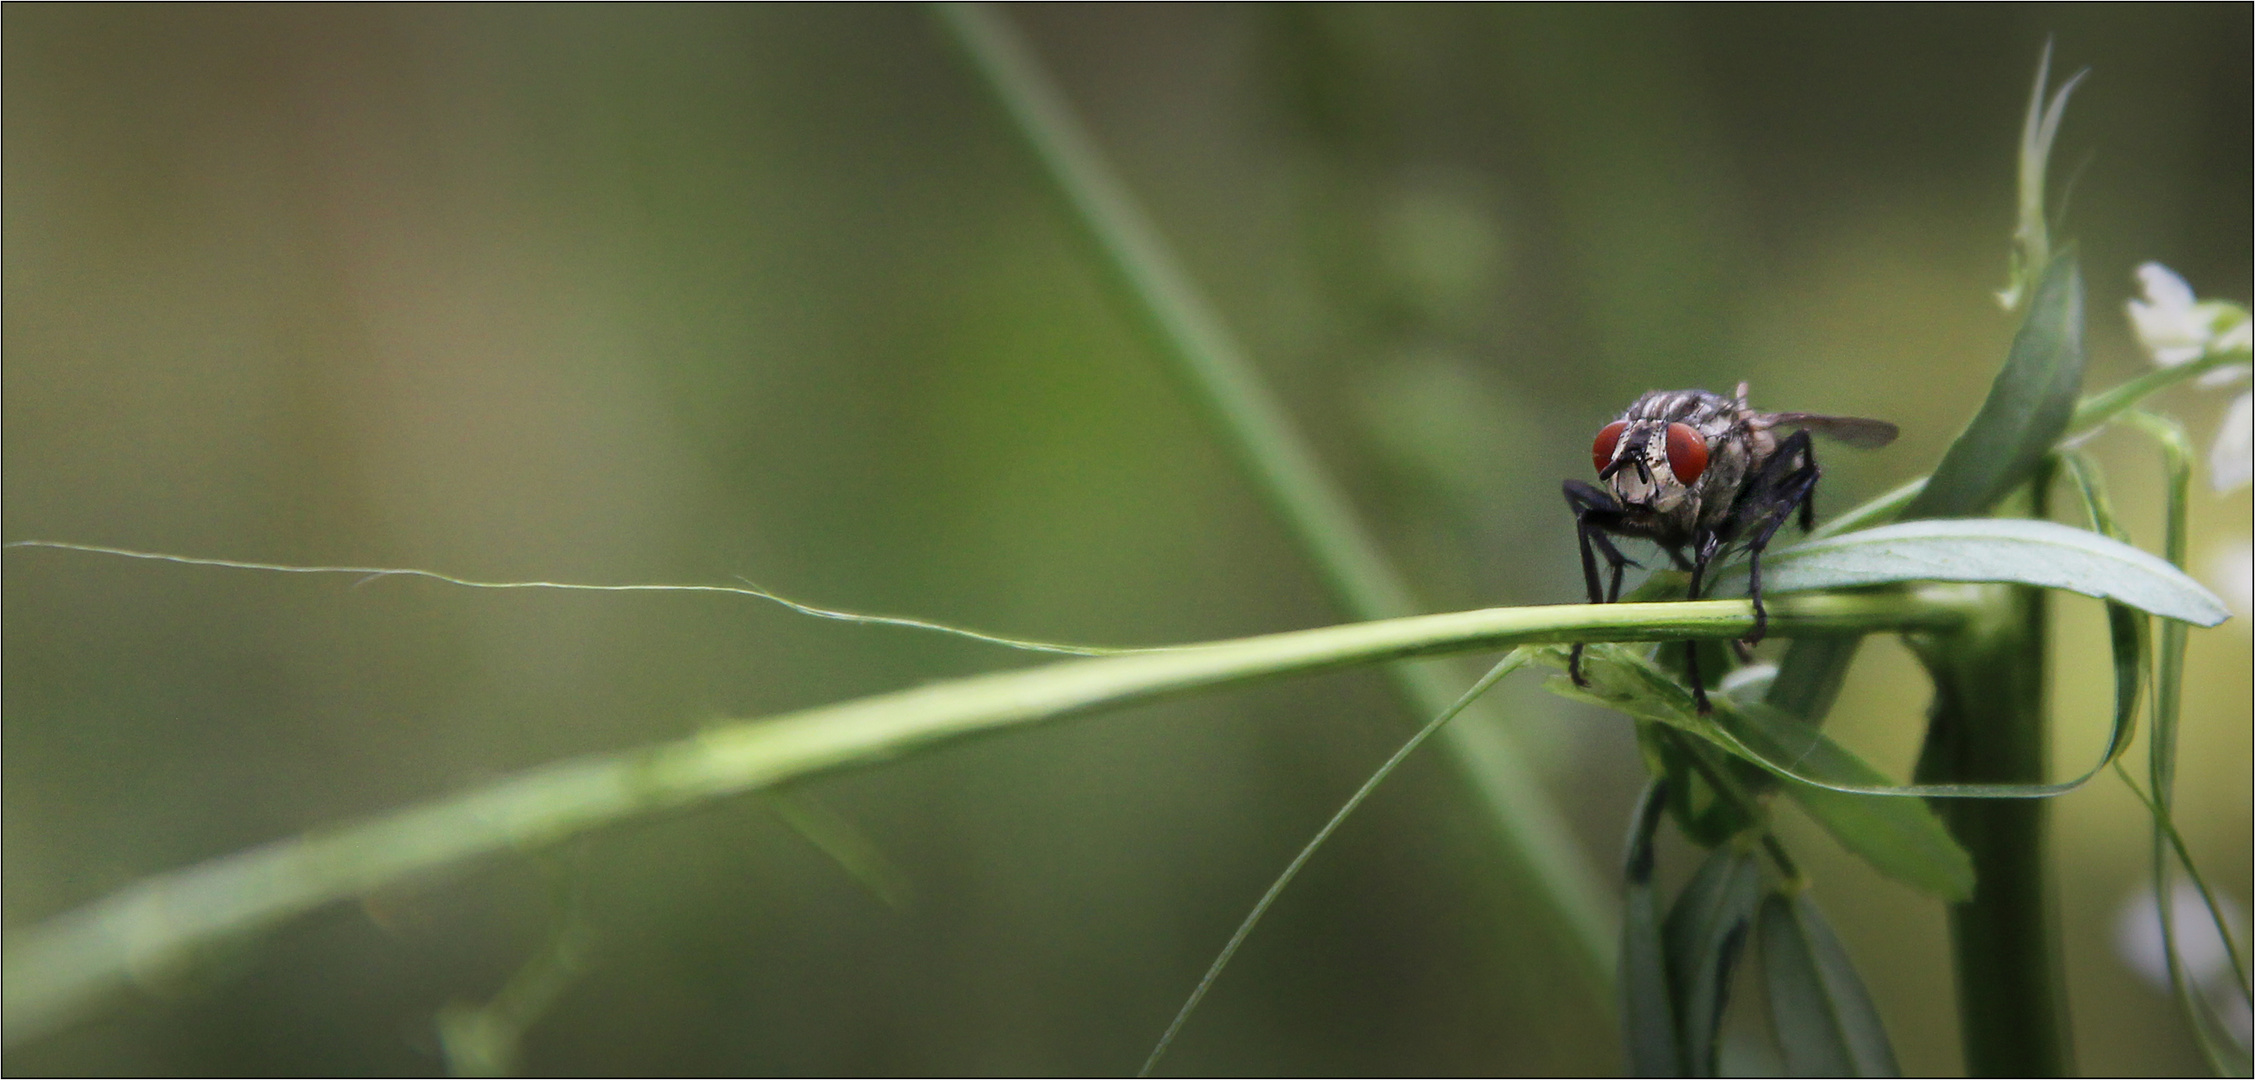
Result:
1687,452
1601,451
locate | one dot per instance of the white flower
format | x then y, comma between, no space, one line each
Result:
2176,328
2200,950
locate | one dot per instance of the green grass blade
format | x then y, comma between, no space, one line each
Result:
1284,469
60,969
1506,666
2168,693
2232,949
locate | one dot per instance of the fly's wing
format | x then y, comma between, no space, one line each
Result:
1856,431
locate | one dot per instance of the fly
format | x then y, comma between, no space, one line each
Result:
1699,473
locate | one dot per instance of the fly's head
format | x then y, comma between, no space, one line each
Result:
1666,455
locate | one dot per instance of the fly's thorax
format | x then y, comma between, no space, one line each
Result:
1732,456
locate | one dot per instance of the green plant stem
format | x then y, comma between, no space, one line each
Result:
1988,726
59,970
2108,404
1285,471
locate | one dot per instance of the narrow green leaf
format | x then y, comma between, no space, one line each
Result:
1823,1016
1902,838
2223,927
2224,1054
1625,681
2015,551
1704,935
68,966
1648,1017
1254,426
2126,627
2027,409
1510,663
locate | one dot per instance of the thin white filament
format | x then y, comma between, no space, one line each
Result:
371,573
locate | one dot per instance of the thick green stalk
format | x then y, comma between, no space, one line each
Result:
1988,726
61,969
1284,470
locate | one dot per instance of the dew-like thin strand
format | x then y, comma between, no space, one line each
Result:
372,573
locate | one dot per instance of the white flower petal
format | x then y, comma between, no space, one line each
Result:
2167,321
2171,336
2231,462
2163,288
2137,936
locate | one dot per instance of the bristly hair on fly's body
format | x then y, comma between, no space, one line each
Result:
1696,473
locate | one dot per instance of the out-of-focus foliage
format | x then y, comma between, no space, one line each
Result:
627,294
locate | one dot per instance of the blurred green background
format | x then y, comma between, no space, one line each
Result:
666,294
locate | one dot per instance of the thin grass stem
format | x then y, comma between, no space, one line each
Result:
1509,664
59,970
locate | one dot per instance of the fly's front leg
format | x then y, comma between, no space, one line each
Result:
1708,544
1596,514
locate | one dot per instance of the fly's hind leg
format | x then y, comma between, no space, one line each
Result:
1786,483
1598,517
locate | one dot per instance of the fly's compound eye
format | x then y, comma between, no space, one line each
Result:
1608,440
1687,452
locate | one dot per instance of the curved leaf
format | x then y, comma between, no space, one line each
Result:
2017,551
2126,628
1785,747
1823,1016
1902,838
1704,936
2027,409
